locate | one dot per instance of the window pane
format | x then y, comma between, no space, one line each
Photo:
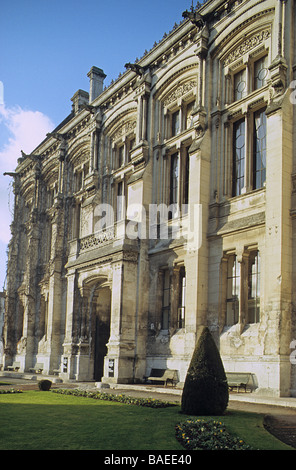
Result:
175,123
260,73
189,109
259,168
120,199
238,157
232,313
166,301
233,290
254,288
174,179
121,156
182,296
240,85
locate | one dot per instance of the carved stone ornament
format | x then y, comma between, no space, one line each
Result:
246,46
179,92
99,239
21,345
125,129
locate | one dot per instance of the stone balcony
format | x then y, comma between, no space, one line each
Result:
113,237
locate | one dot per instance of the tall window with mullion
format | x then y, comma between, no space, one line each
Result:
259,164
174,185
260,72
166,300
233,290
175,129
240,85
120,202
182,297
254,287
238,157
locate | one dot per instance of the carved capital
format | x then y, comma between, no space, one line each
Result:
278,76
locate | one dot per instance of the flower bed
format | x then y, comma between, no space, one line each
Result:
208,435
149,402
11,390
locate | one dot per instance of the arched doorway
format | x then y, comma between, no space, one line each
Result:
101,328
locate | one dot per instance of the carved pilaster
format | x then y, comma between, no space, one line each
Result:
94,130
142,95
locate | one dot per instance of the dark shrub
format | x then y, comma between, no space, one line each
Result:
205,390
44,385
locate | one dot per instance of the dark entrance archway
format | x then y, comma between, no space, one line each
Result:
102,314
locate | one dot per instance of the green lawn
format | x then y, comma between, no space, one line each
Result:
35,420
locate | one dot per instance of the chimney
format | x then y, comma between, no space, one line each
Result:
96,77
79,100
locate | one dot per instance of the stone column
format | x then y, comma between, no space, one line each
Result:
142,96
196,258
112,358
55,289
27,292
119,362
68,369
277,264
94,130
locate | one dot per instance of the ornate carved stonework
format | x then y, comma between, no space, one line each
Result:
124,129
246,46
179,92
98,239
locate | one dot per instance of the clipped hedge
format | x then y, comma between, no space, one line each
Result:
149,402
208,435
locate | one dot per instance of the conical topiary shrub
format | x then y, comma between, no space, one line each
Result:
205,390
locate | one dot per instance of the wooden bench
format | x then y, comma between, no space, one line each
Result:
15,366
164,375
37,369
239,380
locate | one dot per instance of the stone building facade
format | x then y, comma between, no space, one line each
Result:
163,203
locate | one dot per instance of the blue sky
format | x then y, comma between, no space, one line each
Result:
47,48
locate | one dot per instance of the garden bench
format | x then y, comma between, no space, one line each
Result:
15,366
164,375
37,369
239,380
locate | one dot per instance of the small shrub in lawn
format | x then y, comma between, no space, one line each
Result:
208,435
44,385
